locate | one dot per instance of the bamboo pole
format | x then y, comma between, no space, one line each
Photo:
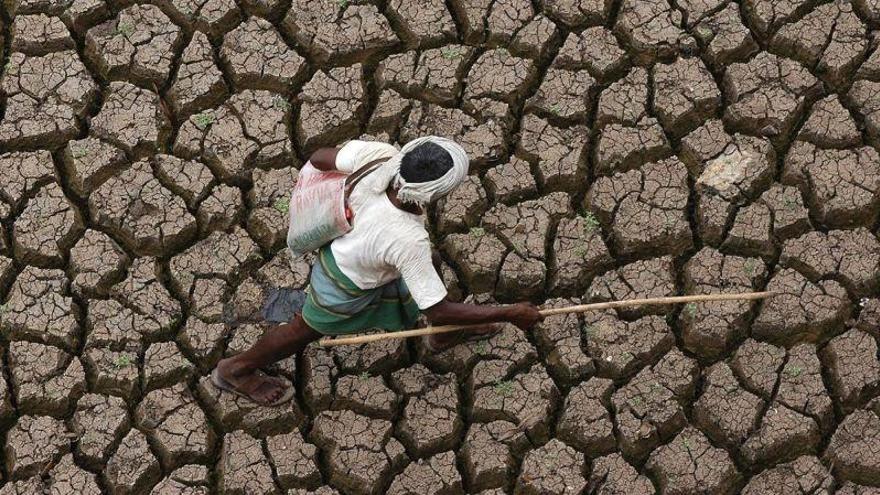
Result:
582,308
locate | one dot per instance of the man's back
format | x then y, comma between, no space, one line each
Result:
385,243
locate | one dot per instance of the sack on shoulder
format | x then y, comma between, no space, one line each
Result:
318,206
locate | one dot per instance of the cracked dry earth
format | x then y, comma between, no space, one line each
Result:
620,149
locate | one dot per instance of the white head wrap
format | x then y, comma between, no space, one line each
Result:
423,192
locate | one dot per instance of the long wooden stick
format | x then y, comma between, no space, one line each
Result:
582,308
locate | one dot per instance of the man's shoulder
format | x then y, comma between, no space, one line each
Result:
371,148
355,154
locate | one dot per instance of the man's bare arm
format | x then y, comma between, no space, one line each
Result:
324,159
523,315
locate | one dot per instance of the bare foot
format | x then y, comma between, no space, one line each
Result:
255,385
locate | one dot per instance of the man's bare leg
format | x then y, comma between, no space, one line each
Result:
279,343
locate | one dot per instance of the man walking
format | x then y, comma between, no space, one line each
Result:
381,274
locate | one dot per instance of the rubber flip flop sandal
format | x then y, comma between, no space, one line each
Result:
225,386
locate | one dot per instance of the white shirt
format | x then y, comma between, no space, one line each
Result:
385,243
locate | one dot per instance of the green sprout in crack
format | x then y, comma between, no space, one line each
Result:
794,371
589,331
450,52
342,3
364,375
591,223
282,204
125,29
78,152
690,309
3,308
581,251
204,120
555,109
481,347
635,402
8,66
686,442
789,202
478,231
280,103
750,267
503,387
123,361
705,32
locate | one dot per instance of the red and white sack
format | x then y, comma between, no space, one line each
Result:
317,210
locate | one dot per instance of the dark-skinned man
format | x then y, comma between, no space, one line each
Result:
380,275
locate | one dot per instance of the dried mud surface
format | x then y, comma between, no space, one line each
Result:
620,149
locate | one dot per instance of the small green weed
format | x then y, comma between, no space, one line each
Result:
280,103
481,347
204,120
750,267
282,204
90,436
789,202
125,29
555,109
123,361
478,231
503,387
690,309
450,52
704,32
581,251
636,402
591,223
342,3
686,442
4,308
78,152
794,371
589,331
364,375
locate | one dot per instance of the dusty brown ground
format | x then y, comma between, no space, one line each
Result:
621,148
